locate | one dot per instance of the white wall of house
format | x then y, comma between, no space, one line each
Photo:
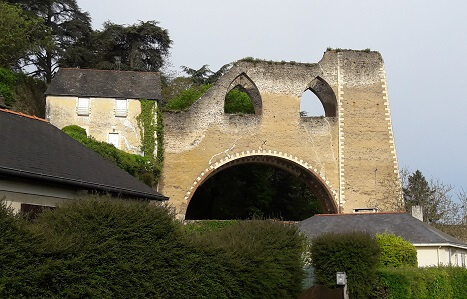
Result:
441,254
109,120
17,192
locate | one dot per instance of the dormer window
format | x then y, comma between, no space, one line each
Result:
121,108
83,106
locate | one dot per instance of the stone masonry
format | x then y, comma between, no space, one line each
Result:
347,157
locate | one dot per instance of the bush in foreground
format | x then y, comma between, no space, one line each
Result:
105,248
395,251
421,283
356,253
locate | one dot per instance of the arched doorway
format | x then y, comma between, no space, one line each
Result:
284,189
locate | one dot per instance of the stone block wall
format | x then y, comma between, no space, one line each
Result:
61,111
341,150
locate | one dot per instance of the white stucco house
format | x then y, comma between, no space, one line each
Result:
40,166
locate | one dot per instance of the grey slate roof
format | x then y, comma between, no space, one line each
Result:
33,149
105,84
400,224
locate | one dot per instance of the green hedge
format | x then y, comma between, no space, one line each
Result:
17,248
104,248
204,226
263,258
145,169
356,253
395,251
420,283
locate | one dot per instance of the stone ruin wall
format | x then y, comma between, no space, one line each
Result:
342,151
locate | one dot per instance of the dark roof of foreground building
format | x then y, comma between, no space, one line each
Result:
33,149
400,224
106,84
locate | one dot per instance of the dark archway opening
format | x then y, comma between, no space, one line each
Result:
253,190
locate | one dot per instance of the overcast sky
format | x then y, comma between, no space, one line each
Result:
423,43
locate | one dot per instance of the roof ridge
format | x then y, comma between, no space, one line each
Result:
100,70
24,115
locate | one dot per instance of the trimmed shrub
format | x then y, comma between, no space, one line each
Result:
395,251
105,248
458,280
145,169
17,251
203,226
186,98
264,258
356,253
420,283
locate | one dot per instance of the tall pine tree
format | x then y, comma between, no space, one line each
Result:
418,192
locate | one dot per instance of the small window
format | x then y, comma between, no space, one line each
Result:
121,108
113,139
463,259
83,106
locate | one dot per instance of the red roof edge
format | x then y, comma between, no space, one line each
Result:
24,115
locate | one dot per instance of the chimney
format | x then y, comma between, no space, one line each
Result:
417,212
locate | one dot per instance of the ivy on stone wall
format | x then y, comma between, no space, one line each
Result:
145,169
147,126
160,137
151,130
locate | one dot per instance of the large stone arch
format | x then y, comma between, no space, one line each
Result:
345,146
325,94
245,84
317,183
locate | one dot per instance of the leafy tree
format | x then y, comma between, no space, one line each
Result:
67,24
140,47
204,75
19,34
237,101
172,87
187,97
433,198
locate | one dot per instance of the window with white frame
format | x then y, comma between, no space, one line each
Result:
83,106
121,108
114,139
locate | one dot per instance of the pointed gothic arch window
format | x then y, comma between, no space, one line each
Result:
310,105
321,90
243,96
